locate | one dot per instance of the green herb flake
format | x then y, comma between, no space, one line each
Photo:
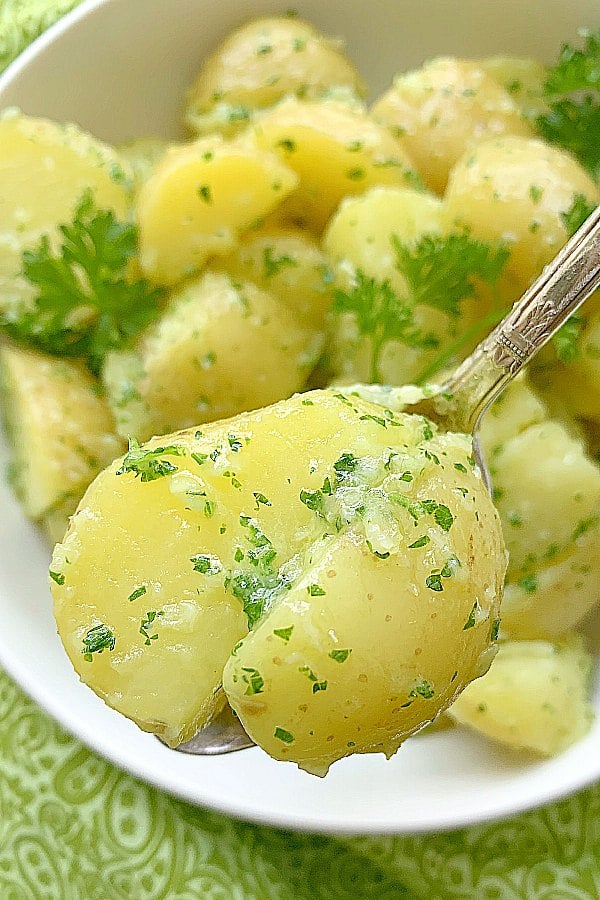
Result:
423,689
434,582
282,735
460,468
287,144
58,577
420,542
148,464
98,638
137,593
147,623
206,564
260,499
209,508
315,590
199,458
529,584
443,517
470,623
536,193
205,193
234,443
340,656
284,633
356,174
273,265
254,681
495,630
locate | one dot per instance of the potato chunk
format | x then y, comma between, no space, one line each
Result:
197,200
261,63
221,347
442,109
288,263
535,696
517,190
45,169
335,151
60,429
547,490
180,547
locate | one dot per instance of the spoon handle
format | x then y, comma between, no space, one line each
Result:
560,290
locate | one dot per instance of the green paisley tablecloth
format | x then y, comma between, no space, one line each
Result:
72,827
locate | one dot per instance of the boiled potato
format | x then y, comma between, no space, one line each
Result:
289,264
516,190
359,238
523,78
442,109
335,151
535,696
221,347
60,430
261,63
45,169
197,200
547,491
186,543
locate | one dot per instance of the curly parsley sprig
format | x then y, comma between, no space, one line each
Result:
86,304
572,93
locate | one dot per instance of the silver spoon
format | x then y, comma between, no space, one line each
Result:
460,402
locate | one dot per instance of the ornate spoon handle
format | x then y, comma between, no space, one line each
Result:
559,291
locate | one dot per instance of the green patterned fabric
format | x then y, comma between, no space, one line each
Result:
72,827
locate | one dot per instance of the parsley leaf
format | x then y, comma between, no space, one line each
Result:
441,270
381,315
86,305
572,91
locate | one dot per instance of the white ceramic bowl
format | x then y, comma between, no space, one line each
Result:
119,68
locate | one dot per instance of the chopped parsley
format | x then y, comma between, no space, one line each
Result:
495,630
234,443
315,590
420,542
260,499
86,304
470,623
254,681
137,593
147,623
316,684
205,193
206,564
149,464
282,735
284,633
423,689
434,582
98,638
58,577
274,264
340,656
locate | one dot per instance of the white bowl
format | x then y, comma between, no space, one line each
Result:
119,68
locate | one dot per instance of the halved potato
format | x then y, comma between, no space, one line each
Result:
180,547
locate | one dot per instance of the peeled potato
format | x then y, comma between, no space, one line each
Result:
45,169
535,696
442,109
335,151
259,64
197,200
178,549
516,190
220,348
60,430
